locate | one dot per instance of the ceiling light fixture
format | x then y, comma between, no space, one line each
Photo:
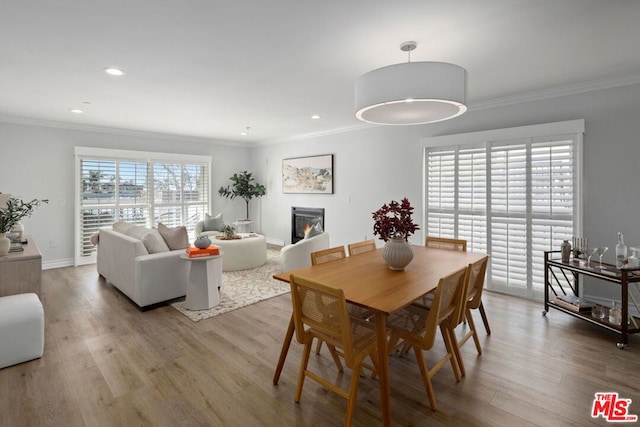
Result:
315,117
244,133
114,71
76,111
411,93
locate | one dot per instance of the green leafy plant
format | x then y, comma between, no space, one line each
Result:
244,186
229,231
394,220
15,210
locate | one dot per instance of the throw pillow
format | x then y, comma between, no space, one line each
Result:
154,242
137,231
175,238
212,223
122,226
313,231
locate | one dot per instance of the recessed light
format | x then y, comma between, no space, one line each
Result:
243,133
114,71
76,111
315,117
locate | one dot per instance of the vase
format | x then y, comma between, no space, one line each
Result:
202,242
5,244
18,231
397,253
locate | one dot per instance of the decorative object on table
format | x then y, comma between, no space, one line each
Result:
308,175
200,252
634,260
245,187
202,242
580,246
17,232
615,314
597,311
621,252
393,224
11,213
573,303
228,233
565,250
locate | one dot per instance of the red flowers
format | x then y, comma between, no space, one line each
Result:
394,220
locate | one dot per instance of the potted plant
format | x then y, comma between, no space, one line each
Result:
243,186
393,223
11,214
228,232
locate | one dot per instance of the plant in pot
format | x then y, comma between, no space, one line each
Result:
228,232
14,210
393,223
245,187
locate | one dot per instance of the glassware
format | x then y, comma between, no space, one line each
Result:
615,315
591,252
601,250
597,311
634,260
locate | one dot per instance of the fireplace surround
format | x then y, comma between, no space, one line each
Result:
303,217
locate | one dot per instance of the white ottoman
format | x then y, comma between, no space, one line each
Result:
21,329
242,254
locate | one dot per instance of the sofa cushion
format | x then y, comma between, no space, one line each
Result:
136,231
313,231
212,223
122,226
176,237
154,242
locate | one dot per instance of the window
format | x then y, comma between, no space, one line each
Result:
139,187
513,198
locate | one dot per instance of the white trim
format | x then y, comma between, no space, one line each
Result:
520,132
148,156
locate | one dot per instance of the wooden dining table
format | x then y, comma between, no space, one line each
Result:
367,281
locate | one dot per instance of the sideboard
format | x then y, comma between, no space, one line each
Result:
21,272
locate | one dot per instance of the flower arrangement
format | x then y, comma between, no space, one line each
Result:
394,220
228,232
15,210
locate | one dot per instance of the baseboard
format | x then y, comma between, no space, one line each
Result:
58,263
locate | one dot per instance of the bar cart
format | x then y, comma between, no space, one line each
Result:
564,279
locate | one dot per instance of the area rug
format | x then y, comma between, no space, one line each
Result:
242,288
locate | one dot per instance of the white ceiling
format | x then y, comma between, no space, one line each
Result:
210,69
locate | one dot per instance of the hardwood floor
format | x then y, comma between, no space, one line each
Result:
106,363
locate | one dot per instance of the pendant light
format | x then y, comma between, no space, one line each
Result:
411,93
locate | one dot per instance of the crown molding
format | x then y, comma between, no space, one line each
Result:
117,131
572,89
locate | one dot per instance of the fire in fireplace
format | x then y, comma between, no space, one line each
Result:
303,218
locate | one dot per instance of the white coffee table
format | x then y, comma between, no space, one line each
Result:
205,280
242,254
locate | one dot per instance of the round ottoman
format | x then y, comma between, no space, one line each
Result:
242,254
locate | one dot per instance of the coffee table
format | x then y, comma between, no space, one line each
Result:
205,279
242,254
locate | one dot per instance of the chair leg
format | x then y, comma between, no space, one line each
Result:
426,379
336,358
303,369
283,352
484,319
473,331
449,345
353,393
456,351
318,346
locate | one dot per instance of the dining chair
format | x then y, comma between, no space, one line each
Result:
327,255
446,243
473,294
361,247
320,312
446,306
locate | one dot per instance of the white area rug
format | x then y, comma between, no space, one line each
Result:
242,288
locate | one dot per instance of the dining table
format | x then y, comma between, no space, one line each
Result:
367,281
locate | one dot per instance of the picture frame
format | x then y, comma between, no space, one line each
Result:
308,175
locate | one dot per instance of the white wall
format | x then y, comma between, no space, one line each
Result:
38,162
377,164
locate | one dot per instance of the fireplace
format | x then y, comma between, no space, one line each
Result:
301,218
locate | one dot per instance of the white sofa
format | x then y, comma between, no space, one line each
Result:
298,255
145,278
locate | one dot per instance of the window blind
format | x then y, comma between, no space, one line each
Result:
513,199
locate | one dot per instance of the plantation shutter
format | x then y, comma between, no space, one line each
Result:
512,198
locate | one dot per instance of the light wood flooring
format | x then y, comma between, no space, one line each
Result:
108,364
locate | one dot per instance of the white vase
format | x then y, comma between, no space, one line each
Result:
18,230
5,244
397,253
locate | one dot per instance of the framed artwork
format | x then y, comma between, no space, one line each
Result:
313,174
